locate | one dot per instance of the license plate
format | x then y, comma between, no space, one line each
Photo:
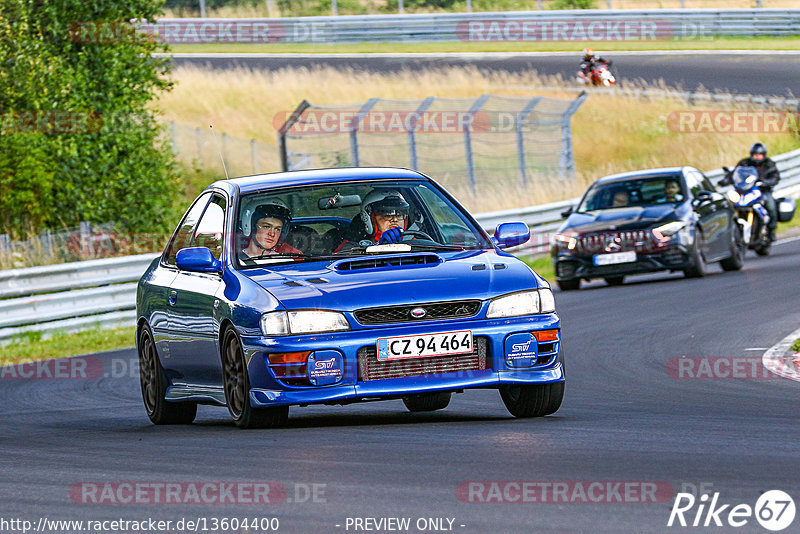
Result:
425,345
616,257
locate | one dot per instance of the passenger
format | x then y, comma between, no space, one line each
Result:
672,192
383,219
269,225
620,199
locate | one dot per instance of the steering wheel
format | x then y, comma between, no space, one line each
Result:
417,233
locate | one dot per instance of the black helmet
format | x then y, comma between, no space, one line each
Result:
758,148
276,209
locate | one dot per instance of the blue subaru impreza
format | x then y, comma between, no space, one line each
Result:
338,286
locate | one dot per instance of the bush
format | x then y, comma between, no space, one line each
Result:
573,4
104,162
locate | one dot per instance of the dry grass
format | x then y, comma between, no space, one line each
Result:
612,132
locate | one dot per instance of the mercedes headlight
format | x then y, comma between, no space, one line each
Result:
283,323
667,230
522,303
567,240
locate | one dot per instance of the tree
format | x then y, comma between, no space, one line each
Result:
78,138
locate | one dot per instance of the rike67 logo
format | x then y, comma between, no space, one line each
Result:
774,510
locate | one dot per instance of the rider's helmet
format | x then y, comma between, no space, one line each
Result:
588,53
275,209
383,201
758,148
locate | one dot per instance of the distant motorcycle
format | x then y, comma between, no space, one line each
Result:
753,216
599,76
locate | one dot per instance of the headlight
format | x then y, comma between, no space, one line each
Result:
734,196
569,241
282,323
523,303
668,229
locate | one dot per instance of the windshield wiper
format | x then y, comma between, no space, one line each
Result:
436,247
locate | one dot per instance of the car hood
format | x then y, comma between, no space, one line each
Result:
448,276
622,218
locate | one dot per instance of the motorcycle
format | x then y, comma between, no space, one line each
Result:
752,214
599,76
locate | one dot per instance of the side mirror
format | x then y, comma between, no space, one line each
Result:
512,234
198,260
704,196
567,212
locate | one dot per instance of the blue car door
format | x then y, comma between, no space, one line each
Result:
194,326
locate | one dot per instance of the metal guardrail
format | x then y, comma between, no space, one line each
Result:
75,296
557,25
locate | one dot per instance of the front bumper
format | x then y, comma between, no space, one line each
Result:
576,266
269,389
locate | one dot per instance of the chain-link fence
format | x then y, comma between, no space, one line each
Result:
486,146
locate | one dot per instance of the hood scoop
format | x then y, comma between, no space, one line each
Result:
387,262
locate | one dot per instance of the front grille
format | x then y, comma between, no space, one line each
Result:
370,368
621,241
433,310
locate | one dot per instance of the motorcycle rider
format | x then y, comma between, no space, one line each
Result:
768,175
591,61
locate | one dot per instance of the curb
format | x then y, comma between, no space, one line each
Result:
777,359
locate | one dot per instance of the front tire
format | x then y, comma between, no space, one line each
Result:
236,382
427,402
735,261
532,400
569,285
154,383
698,268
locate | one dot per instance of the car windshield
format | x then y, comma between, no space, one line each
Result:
633,193
343,219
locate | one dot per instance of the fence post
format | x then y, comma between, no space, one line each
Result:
355,122
567,164
254,155
520,136
412,127
293,118
86,237
476,106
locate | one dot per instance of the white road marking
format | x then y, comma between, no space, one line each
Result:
787,240
773,359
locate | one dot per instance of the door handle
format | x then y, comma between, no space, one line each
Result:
173,297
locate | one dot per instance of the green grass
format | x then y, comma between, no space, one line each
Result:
796,345
719,43
542,264
31,347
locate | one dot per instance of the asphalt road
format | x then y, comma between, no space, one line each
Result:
625,417
761,74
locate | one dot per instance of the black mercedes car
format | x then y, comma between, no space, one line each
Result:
645,221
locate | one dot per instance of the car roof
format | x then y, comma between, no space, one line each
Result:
247,184
646,173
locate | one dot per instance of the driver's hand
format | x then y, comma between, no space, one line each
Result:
392,235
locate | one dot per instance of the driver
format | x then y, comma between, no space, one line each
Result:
269,225
383,219
672,191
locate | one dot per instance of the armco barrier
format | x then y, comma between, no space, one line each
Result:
80,295
556,25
